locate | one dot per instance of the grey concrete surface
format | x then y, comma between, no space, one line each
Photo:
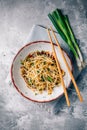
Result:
16,19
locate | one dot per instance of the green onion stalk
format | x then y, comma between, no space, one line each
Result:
62,25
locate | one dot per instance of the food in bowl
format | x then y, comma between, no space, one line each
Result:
39,71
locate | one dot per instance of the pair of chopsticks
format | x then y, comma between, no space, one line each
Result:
59,69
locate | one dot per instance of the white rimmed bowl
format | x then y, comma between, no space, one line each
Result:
20,84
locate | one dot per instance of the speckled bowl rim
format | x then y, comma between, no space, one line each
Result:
11,72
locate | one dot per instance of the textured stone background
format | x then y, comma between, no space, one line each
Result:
16,113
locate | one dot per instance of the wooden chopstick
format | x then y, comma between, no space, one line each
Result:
58,66
68,68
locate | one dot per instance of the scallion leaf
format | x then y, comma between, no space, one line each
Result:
62,25
32,64
22,62
38,71
44,62
42,78
30,81
49,79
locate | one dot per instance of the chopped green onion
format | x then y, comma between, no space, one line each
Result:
49,79
30,81
44,62
22,62
38,71
48,69
42,78
36,93
32,63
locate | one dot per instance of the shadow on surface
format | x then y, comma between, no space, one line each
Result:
61,103
74,124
